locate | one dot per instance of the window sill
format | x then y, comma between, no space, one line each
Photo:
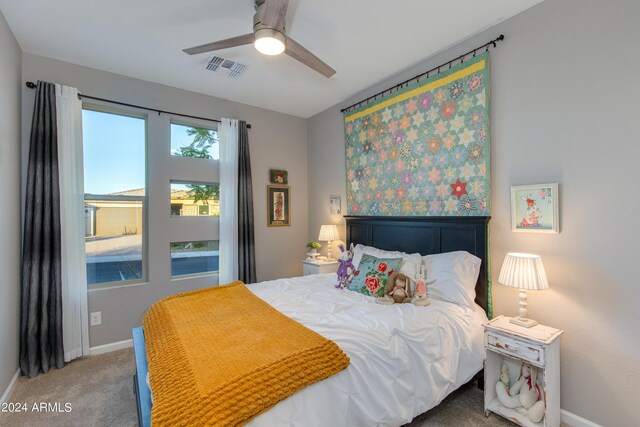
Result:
116,285
193,276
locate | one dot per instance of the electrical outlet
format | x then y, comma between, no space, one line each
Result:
96,318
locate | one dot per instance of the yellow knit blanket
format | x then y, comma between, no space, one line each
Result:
221,356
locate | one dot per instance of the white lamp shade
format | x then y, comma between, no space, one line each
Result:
328,232
523,271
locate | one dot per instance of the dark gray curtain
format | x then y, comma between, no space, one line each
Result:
246,243
41,316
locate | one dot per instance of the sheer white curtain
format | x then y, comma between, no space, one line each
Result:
228,261
75,325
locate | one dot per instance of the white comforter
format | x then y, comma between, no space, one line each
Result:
404,359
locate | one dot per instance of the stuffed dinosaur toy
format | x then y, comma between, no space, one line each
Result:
346,268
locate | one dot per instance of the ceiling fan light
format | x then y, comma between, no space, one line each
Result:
269,41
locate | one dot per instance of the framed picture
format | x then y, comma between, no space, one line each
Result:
534,208
278,205
335,207
278,177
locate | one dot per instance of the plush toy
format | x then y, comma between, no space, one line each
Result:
531,396
420,294
503,389
397,290
346,268
515,388
525,395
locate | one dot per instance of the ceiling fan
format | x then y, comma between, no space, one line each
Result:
269,37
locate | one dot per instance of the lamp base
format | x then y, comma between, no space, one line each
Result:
521,321
329,251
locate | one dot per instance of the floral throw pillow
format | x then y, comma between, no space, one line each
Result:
372,275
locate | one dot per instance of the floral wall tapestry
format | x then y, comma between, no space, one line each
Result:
424,150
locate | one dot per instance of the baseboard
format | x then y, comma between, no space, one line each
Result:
101,349
6,397
575,421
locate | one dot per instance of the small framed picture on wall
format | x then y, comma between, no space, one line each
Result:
277,176
335,205
534,208
278,205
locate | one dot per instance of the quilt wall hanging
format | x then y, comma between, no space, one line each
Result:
423,150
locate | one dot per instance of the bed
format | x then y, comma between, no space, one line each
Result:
404,359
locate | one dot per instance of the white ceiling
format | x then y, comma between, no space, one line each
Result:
365,41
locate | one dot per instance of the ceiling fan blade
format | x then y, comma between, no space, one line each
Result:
222,44
299,53
274,13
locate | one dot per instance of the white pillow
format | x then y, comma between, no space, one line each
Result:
456,274
410,262
360,250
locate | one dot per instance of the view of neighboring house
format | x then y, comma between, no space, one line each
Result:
122,213
113,234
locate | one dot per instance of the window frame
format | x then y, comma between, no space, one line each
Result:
190,182
193,275
131,113
186,178
194,123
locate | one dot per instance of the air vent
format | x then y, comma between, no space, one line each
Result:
224,67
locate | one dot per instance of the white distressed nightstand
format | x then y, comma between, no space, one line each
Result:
318,267
539,346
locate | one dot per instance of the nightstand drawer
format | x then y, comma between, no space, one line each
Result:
522,350
308,269
319,267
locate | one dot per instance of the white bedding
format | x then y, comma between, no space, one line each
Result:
404,359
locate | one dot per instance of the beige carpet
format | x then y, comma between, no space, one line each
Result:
100,391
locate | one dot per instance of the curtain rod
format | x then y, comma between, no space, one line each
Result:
426,73
32,85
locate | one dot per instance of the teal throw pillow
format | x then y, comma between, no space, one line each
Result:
372,275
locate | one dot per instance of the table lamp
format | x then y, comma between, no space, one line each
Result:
524,272
328,233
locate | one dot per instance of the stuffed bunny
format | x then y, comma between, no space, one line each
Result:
397,290
346,268
528,393
503,389
531,397
420,294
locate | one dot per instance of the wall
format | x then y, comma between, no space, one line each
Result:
564,109
276,140
10,250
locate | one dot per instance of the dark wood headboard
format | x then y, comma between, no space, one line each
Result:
427,235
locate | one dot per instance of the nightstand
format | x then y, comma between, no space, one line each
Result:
319,267
539,346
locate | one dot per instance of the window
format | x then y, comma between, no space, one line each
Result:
195,199
194,257
191,141
115,196
191,199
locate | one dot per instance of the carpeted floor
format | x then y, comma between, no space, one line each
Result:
100,392
99,389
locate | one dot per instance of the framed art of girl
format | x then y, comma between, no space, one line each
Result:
534,208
